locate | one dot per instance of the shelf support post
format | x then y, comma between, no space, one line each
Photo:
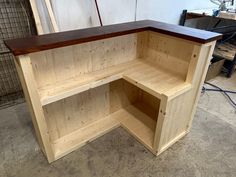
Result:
25,72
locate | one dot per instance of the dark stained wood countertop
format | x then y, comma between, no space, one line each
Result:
49,41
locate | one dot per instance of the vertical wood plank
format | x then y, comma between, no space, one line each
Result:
51,15
159,125
36,17
25,72
201,79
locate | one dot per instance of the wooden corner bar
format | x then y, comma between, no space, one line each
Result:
145,76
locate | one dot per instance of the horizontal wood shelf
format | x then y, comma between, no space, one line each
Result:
81,83
152,79
141,126
84,135
130,118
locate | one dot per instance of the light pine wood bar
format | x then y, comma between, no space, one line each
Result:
144,76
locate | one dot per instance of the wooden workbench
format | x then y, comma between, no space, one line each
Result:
145,76
225,23
226,51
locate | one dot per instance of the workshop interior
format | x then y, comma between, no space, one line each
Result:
117,88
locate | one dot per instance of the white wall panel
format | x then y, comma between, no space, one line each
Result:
75,14
78,14
170,10
117,11
44,17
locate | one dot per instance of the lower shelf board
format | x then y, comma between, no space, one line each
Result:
141,126
83,136
133,120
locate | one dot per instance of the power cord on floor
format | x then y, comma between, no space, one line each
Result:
224,92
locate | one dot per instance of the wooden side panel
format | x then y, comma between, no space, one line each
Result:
122,94
199,78
149,105
25,72
176,119
60,64
180,110
172,54
192,68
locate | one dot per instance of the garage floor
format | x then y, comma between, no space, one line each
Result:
208,150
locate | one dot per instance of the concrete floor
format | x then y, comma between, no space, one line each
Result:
208,150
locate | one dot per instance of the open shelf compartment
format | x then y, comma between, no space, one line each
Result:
115,104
